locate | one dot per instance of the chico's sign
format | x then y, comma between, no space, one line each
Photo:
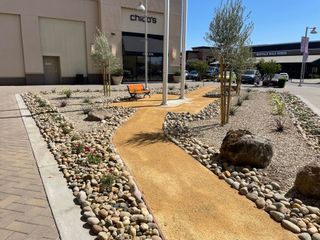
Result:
137,18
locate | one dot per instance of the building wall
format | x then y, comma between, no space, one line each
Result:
65,39
11,53
21,22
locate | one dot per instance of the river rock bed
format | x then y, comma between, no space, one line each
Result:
202,139
111,203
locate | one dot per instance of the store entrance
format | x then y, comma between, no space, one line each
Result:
133,57
134,68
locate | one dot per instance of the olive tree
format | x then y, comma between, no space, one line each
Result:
242,60
228,30
103,58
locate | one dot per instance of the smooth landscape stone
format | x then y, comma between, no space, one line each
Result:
96,229
93,221
290,226
275,185
103,236
244,191
316,236
304,236
156,238
313,210
260,203
251,196
278,216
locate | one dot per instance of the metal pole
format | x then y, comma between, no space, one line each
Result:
166,53
303,60
183,47
146,47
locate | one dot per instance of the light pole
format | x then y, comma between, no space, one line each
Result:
305,51
166,53
183,47
145,9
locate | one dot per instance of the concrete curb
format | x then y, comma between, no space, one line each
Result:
310,105
61,200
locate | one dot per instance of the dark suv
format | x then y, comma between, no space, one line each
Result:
251,77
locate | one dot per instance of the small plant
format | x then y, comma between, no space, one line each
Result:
279,105
41,102
87,100
246,97
86,110
249,90
280,124
53,90
233,111
118,72
63,104
77,148
75,137
239,101
67,93
171,88
186,86
65,129
93,159
107,181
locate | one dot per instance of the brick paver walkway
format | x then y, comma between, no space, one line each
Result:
24,209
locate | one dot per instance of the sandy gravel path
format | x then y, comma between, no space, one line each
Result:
188,201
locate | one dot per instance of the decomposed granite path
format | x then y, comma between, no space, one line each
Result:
188,201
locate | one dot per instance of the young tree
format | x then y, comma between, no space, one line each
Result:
104,60
241,61
268,69
201,67
228,31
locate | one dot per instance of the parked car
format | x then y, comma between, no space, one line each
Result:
275,79
194,75
251,76
212,72
286,75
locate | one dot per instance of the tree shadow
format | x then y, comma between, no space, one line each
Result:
203,128
143,139
293,193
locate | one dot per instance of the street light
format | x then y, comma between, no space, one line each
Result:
166,53
183,47
144,8
305,51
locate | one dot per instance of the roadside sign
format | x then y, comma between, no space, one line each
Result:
304,45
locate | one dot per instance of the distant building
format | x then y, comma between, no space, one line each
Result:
287,54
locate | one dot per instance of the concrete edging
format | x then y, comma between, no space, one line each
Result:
61,200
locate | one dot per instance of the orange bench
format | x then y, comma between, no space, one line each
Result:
137,89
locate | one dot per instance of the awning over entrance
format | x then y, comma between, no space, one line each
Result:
289,59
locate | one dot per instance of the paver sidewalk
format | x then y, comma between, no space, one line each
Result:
24,209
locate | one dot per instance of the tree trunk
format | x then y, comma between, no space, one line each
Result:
104,81
238,84
225,93
229,94
221,91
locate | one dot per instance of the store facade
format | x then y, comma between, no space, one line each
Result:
286,54
49,42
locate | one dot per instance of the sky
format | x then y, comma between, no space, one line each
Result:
275,21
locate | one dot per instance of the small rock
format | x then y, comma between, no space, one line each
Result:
103,236
304,236
156,238
290,226
278,216
313,210
93,221
260,203
144,227
251,196
316,236
244,191
96,229
103,213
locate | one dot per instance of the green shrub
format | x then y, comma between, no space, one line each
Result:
67,93
107,181
77,148
282,82
246,97
41,102
87,100
86,110
63,104
118,72
239,101
93,159
66,130
279,105
233,111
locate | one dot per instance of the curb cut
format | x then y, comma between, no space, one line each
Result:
61,200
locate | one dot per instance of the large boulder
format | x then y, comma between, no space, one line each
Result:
308,180
98,115
242,148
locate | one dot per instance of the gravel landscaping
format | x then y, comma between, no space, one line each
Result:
271,188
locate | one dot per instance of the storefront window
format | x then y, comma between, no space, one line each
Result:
133,57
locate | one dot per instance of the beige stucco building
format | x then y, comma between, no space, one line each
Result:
49,41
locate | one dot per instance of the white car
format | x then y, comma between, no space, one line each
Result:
286,75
